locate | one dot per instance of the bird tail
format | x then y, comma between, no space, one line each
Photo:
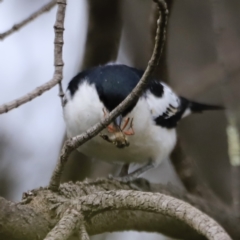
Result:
195,107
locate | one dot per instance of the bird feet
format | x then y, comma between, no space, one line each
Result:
130,177
119,133
125,179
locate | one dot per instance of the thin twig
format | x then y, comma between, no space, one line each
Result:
162,71
102,44
58,29
183,164
61,93
77,141
58,64
33,16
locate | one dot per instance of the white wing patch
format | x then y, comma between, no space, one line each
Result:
166,106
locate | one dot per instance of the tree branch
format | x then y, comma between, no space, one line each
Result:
182,164
102,43
162,71
79,207
33,16
18,222
58,43
82,234
77,141
58,64
153,202
65,227
43,209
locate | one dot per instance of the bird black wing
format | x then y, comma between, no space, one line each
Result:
112,82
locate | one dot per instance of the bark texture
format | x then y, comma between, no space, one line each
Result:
106,205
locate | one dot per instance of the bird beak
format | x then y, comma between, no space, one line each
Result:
118,121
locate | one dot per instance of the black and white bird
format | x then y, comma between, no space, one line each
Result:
148,126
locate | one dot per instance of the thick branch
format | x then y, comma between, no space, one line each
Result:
58,64
83,235
19,222
40,209
77,141
65,227
222,214
157,203
117,221
33,16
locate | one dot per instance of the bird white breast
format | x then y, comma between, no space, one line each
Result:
149,141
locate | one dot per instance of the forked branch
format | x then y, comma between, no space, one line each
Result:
103,205
65,227
96,203
58,64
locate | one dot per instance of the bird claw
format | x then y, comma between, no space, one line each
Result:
118,135
135,174
125,179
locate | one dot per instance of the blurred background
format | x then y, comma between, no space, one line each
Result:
97,32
